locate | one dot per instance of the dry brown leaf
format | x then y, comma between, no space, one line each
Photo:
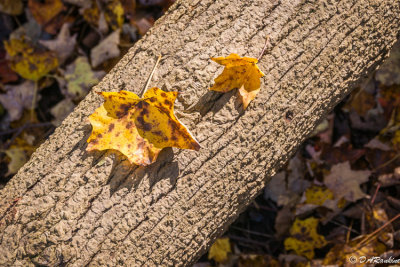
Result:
63,45
344,182
106,49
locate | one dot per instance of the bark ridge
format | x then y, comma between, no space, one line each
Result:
69,207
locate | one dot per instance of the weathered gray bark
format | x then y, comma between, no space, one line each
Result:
67,206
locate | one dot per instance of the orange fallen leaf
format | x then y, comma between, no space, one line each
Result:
240,72
138,127
44,11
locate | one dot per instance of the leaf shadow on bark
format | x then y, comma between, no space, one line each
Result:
211,102
126,175
129,176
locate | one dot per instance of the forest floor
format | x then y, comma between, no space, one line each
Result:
336,201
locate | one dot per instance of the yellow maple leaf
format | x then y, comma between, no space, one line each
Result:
28,61
317,195
219,250
304,237
138,127
240,72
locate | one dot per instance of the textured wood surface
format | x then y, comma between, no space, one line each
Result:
69,207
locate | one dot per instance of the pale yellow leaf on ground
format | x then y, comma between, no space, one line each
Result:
318,195
18,154
219,250
17,158
80,77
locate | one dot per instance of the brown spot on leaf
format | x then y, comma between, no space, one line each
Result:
157,133
142,124
140,143
141,104
111,127
163,94
167,102
163,110
124,108
129,125
94,141
144,111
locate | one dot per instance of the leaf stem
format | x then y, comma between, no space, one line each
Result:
35,92
150,76
263,50
372,236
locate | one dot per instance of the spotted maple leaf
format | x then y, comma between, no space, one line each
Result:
30,62
304,237
240,72
138,127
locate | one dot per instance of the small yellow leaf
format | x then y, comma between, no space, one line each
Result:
219,250
138,127
304,238
240,72
18,154
114,14
28,61
317,195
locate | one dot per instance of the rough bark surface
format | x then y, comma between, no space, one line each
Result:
70,207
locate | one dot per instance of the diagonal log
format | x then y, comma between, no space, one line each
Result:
69,207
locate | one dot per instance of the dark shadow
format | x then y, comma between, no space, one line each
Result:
121,174
127,175
164,168
211,102
239,105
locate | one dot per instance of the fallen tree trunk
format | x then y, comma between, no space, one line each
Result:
70,207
